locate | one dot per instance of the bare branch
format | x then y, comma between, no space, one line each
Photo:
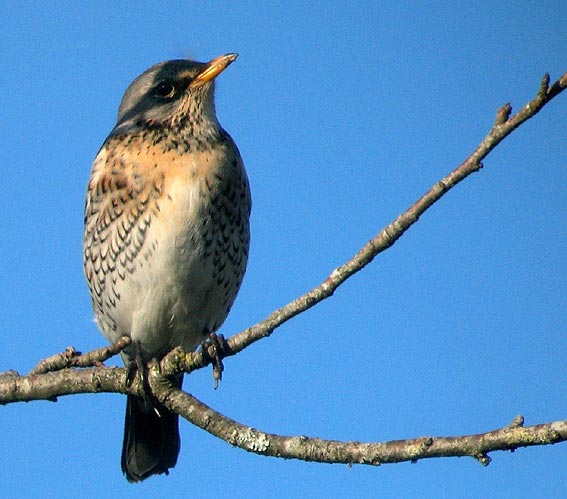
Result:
56,362
504,125
100,355
15,388
319,450
56,376
50,385
72,358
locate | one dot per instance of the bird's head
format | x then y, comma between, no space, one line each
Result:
172,93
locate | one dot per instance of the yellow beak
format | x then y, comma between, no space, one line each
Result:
213,69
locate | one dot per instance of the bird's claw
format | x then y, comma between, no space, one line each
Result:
214,347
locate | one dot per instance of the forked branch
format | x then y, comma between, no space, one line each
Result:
60,374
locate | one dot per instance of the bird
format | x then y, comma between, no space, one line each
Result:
166,236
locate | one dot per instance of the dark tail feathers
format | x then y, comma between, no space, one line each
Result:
151,440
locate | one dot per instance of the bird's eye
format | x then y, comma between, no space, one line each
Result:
165,89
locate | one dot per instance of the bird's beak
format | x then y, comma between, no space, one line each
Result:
213,69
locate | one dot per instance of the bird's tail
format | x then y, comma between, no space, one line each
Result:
151,439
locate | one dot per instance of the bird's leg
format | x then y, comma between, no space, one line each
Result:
139,366
215,354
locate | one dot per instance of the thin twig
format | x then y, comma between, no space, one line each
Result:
100,355
56,362
72,358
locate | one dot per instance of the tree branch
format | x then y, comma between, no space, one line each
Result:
59,375
332,451
71,358
503,126
47,386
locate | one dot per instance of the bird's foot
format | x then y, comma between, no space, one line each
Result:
214,347
139,366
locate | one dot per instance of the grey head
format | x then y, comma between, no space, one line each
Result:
170,93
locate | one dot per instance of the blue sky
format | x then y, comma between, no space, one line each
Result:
344,114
